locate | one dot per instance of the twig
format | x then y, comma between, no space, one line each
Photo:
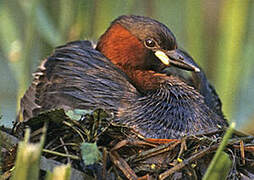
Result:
61,154
123,166
104,162
65,149
145,177
188,161
183,148
79,133
152,152
199,155
130,142
65,144
242,152
50,143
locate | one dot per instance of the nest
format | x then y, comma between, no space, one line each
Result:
125,154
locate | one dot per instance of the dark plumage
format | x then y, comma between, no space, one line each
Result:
200,82
124,75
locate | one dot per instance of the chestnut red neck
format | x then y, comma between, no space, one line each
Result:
146,81
128,53
122,48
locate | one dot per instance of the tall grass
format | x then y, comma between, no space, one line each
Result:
232,29
30,29
222,43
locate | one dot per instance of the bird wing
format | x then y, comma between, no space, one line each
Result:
208,91
76,76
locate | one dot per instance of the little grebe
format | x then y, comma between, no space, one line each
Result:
126,74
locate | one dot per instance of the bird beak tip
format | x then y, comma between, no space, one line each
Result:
176,58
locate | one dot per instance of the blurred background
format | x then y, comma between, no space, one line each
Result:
219,34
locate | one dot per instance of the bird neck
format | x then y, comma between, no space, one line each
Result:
122,48
128,53
146,81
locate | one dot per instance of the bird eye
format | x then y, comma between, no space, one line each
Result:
150,43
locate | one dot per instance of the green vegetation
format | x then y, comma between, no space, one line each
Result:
90,153
27,159
219,36
221,163
27,164
62,172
